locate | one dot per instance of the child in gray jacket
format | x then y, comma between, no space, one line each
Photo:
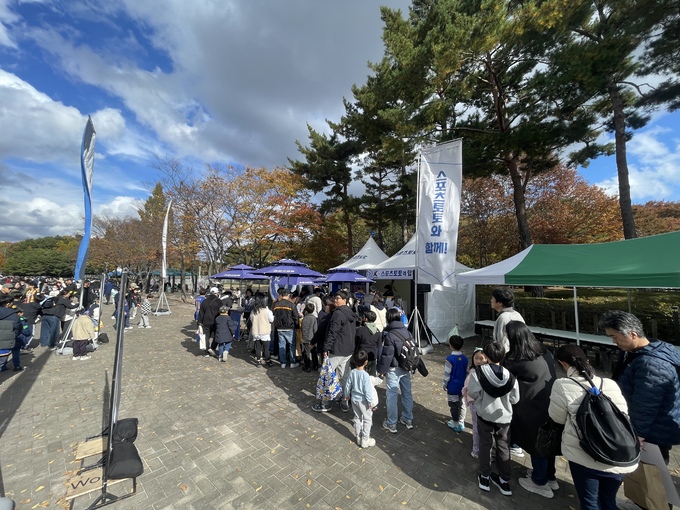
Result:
494,390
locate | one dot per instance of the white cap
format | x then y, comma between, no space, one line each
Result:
214,290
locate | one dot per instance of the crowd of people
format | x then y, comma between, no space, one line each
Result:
513,389
63,308
307,329
510,386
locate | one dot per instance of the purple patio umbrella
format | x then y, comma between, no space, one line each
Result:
239,272
347,276
287,267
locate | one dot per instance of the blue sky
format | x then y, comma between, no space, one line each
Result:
204,81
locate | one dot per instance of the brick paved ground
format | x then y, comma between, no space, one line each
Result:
230,435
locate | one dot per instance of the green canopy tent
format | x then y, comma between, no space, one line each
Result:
645,262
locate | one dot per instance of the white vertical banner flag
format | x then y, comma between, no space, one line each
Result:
440,176
164,270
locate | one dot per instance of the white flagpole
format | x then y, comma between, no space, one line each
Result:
162,305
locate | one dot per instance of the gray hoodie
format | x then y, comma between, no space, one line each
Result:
494,390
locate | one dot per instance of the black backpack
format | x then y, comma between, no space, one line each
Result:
604,431
408,358
47,303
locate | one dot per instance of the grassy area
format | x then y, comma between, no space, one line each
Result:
655,308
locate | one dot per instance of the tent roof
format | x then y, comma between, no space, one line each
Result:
405,259
369,256
645,262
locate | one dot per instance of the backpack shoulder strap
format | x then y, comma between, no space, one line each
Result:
399,335
581,385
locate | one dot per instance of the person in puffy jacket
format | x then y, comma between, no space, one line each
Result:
596,483
11,332
339,344
394,336
648,377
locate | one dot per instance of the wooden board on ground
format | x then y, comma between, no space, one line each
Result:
87,482
90,448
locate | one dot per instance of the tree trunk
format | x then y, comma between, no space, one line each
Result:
523,228
627,218
348,220
519,199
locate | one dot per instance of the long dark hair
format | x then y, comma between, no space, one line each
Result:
573,355
523,343
259,304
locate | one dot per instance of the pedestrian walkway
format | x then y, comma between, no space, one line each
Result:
230,435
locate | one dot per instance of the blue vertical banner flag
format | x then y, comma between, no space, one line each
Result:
87,168
440,176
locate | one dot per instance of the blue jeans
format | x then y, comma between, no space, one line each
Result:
395,380
596,490
285,345
222,348
544,469
49,331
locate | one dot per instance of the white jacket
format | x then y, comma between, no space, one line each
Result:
499,334
565,399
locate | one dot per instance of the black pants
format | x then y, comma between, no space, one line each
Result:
487,433
262,350
309,356
80,347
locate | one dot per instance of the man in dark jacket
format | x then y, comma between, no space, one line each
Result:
648,377
10,333
394,336
108,287
368,339
207,313
53,314
340,340
286,319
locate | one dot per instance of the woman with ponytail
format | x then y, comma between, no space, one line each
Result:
596,484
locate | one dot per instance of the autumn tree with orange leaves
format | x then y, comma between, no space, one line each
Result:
561,208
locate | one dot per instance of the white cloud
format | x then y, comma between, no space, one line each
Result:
653,166
7,17
120,207
244,77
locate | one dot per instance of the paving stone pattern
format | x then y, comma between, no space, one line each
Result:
234,436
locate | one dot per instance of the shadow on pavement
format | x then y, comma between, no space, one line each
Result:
21,382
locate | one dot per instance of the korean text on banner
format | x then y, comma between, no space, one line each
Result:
439,184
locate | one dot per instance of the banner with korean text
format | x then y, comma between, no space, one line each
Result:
440,176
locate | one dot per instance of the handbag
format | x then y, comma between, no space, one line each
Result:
328,386
549,439
200,337
644,487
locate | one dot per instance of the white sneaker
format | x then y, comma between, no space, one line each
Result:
294,365
368,442
542,490
283,365
83,358
76,358
551,483
517,452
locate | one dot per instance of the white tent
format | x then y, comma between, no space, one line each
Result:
445,307
366,258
